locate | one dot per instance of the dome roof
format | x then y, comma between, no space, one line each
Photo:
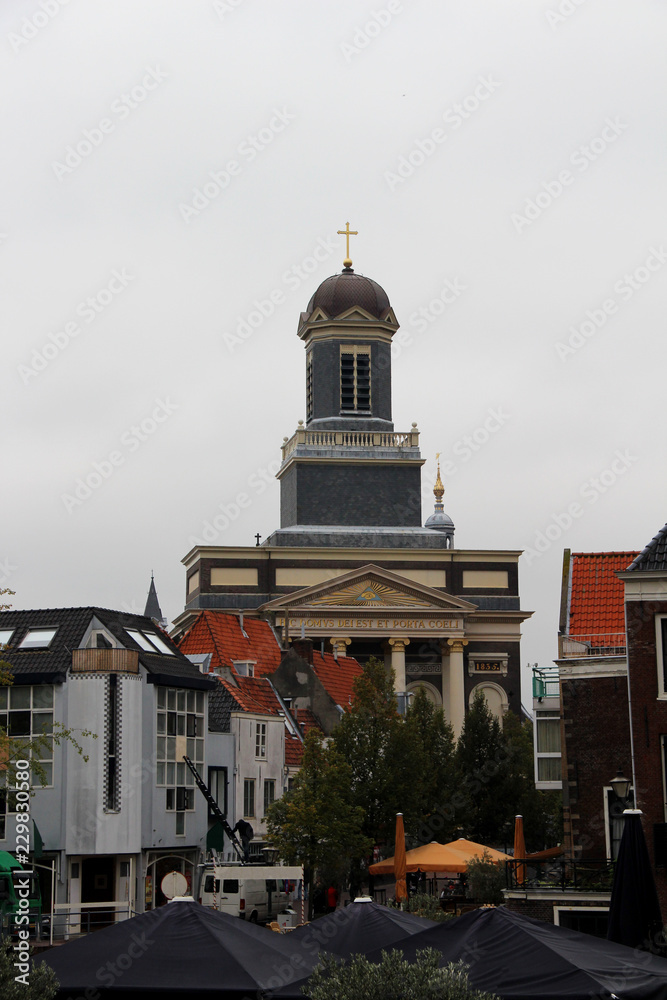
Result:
440,521
342,291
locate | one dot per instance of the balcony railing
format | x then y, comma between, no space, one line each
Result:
593,644
545,682
350,439
559,875
105,661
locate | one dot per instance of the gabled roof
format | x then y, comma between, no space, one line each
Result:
336,676
32,665
253,694
370,586
595,594
220,633
654,555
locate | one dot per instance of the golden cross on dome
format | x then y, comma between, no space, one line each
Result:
438,489
347,232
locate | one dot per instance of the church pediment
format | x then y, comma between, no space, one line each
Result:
370,588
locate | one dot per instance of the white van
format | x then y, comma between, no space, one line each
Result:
251,892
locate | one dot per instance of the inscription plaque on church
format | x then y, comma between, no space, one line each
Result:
388,623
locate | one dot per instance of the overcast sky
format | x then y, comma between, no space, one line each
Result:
171,168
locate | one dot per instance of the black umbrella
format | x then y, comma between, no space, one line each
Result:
634,911
182,949
519,958
360,927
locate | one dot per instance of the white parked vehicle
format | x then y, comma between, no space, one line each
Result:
252,892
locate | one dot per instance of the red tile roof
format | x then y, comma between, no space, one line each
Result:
219,633
306,720
253,694
293,750
337,676
596,593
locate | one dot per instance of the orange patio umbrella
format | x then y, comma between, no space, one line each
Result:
399,861
519,850
432,857
470,850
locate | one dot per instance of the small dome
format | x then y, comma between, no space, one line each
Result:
342,291
440,521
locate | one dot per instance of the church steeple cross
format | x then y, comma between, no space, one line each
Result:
347,232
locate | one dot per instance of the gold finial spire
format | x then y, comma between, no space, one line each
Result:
438,489
347,232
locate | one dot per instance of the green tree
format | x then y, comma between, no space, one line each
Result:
483,758
423,761
39,984
364,739
316,824
393,978
541,811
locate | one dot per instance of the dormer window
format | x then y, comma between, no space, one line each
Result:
244,668
5,635
37,638
355,379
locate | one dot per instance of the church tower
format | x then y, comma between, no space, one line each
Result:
346,467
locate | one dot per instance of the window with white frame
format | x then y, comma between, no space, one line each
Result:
26,716
248,798
661,653
269,793
547,749
180,731
260,740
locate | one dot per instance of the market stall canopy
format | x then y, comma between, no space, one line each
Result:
431,857
470,850
359,927
519,958
183,949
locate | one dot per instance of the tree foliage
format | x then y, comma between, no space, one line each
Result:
393,978
316,823
41,980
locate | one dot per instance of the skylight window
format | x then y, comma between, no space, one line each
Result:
5,635
160,643
141,640
150,642
37,638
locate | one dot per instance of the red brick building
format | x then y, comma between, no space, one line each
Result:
595,724
646,614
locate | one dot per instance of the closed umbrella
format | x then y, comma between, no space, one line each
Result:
634,910
519,850
399,861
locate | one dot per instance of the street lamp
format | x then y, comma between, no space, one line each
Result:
621,785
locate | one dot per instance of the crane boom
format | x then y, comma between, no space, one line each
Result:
216,810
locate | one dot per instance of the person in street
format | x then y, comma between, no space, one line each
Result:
332,899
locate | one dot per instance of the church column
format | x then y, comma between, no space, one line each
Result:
444,649
456,689
339,645
398,662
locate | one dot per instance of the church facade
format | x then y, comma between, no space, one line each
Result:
351,566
